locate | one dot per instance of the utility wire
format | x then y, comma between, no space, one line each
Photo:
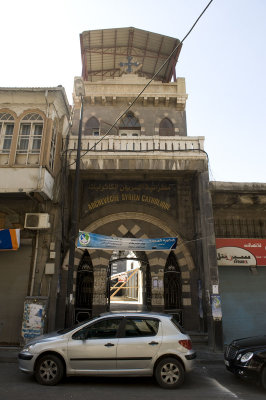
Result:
145,87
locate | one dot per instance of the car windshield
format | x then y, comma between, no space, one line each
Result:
66,330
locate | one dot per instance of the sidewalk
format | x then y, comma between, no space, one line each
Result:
206,355
9,354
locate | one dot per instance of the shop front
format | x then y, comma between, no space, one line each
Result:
15,261
242,277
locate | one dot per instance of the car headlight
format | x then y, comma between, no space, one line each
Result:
246,357
28,349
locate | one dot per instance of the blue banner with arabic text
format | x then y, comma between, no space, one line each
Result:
94,241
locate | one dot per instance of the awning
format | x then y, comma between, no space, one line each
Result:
104,51
9,239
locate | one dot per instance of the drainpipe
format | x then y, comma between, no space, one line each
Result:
34,263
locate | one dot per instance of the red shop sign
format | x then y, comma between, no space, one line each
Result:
241,252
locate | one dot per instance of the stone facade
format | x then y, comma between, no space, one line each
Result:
142,176
140,183
239,209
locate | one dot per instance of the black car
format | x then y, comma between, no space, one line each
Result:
246,358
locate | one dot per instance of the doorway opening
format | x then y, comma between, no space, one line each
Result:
126,279
128,282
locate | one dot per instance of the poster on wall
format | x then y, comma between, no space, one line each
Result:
157,283
216,306
241,252
94,241
33,317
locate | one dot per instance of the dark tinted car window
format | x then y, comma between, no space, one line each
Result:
104,329
66,330
138,327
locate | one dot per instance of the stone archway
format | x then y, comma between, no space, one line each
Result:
137,223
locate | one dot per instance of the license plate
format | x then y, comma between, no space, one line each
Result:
226,363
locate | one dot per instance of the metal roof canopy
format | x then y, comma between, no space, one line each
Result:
103,50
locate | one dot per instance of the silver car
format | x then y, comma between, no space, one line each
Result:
114,344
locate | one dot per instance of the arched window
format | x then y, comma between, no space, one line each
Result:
30,134
6,131
166,127
92,127
130,121
129,125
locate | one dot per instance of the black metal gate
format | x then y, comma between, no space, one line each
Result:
84,289
172,288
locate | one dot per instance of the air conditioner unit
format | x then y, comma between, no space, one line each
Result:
37,221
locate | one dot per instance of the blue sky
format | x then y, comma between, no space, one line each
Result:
223,61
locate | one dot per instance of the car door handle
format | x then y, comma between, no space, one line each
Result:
109,344
153,343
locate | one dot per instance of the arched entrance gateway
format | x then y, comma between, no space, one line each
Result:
165,276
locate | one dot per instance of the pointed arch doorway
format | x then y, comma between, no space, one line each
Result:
172,288
84,289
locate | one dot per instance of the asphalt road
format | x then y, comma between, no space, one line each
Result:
208,382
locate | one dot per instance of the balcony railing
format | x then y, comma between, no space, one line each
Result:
141,144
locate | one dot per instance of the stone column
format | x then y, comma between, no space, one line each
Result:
209,276
99,290
157,290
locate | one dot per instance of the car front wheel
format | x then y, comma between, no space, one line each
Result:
169,373
49,370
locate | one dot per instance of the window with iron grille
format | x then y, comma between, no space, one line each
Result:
130,122
6,132
129,125
30,134
240,228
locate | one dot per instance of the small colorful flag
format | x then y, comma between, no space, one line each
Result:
9,239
